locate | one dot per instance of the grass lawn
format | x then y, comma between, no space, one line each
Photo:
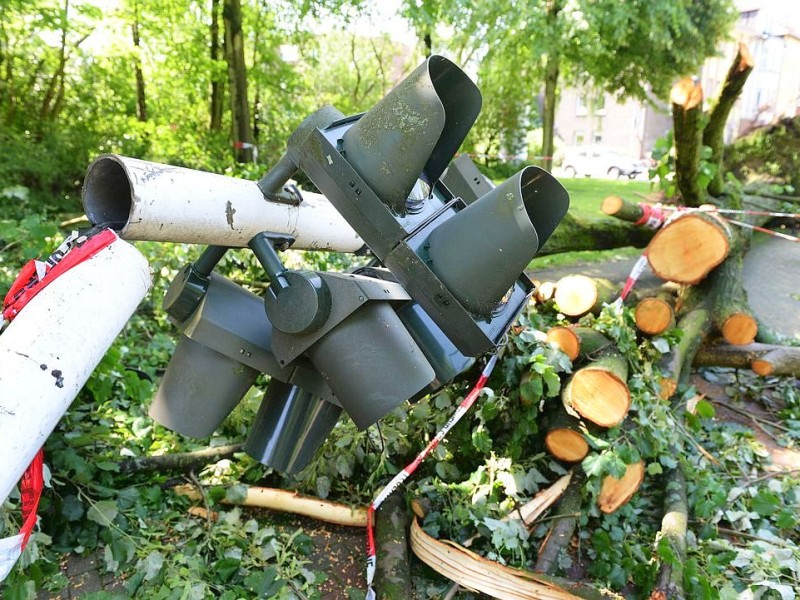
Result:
586,194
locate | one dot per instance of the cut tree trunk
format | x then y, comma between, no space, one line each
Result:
695,325
545,291
673,533
731,311
574,233
764,359
566,518
563,436
577,295
392,574
654,315
715,128
598,392
783,360
640,213
686,97
687,248
566,340
615,493
577,341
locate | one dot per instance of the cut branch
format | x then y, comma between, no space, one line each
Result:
564,525
292,502
673,534
764,359
392,574
654,315
181,461
574,234
713,132
686,97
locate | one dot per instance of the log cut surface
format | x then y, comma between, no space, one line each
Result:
686,249
615,493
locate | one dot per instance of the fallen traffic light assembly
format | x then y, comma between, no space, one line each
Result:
444,285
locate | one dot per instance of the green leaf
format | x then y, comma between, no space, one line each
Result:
226,568
323,486
481,440
103,512
152,565
786,519
705,409
654,468
236,494
765,503
71,508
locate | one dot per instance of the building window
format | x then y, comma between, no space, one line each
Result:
600,104
579,138
598,137
581,109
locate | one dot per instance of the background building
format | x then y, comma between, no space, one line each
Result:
771,31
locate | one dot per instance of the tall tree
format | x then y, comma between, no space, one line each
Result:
141,98
237,79
217,87
634,48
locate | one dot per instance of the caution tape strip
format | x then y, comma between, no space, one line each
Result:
398,479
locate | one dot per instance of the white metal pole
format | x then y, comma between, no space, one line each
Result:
151,201
49,350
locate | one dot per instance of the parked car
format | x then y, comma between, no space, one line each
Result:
598,161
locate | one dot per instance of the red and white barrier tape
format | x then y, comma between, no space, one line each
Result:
653,215
33,278
398,479
30,490
636,272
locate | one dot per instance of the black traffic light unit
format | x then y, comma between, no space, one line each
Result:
444,287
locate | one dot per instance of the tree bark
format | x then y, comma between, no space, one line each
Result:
695,325
713,133
566,518
673,534
575,233
57,80
217,86
141,98
181,461
237,79
687,110
551,72
392,575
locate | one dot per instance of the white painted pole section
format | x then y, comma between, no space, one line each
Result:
49,350
150,201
